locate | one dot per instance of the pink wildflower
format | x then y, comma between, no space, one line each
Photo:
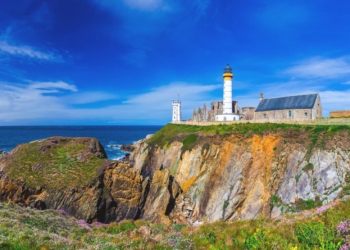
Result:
322,209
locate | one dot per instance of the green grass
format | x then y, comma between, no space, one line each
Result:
27,229
24,228
178,132
300,232
69,164
188,143
308,167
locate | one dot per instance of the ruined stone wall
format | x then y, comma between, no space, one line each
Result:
208,114
247,113
339,113
318,107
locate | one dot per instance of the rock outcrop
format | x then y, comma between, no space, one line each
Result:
74,175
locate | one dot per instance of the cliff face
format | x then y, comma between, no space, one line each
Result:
230,177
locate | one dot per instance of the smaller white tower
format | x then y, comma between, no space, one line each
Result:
176,111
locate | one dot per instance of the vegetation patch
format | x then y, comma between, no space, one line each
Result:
24,228
308,204
308,167
312,133
205,147
43,163
188,142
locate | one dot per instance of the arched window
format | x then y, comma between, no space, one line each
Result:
264,115
289,113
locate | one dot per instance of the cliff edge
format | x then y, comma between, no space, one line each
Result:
242,171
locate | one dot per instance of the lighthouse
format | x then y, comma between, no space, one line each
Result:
227,103
227,114
176,110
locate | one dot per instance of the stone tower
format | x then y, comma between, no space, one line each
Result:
176,111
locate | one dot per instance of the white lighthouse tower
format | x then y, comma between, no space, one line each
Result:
227,114
227,103
176,111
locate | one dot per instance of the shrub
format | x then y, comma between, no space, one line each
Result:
315,235
226,203
257,241
211,237
178,227
308,167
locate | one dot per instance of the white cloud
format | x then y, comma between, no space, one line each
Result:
28,52
37,102
319,67
88,97
165,94
52,86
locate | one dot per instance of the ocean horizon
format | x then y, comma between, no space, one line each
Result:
110,136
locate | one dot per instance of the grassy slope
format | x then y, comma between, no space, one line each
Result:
171,132
27,229
23,228
69,164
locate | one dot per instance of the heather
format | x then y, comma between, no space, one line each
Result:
56,162
325,227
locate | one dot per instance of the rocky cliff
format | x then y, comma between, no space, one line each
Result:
184,174
231,173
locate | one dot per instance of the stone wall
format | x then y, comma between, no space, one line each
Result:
339,113
318,107
247,113
286,114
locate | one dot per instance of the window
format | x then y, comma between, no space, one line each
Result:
224,118
290,113
264,115
305,113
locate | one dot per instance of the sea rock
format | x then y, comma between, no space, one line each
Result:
127,147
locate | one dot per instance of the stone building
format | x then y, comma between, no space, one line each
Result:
300,107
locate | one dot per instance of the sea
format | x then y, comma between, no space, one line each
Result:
111,137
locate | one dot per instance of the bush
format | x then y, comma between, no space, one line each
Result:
315,235
178,227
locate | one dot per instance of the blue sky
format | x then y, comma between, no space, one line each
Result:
123,61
